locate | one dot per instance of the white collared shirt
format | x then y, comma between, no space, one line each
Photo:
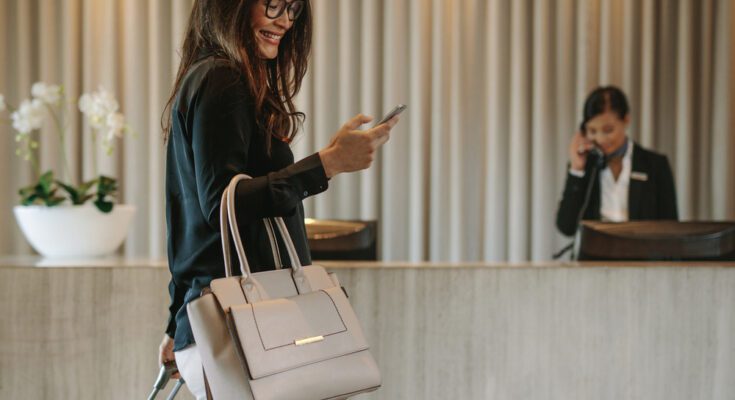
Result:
614,194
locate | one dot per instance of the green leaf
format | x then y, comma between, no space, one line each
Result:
55,200
106,185
79,195
84,187
27,201
28,190
73,193
46,181
102,205
44,191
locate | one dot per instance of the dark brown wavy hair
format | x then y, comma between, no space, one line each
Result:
224,28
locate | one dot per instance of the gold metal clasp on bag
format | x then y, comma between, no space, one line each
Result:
308,340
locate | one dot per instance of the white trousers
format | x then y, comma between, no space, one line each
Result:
189,363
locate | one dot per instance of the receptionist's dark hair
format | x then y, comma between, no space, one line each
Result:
603,99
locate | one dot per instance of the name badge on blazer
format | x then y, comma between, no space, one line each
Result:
639,176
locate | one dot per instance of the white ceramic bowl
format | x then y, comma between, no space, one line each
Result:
74,231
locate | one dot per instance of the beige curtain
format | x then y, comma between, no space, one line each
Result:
476,167
129,47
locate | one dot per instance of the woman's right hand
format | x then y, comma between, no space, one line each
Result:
351,149
578,151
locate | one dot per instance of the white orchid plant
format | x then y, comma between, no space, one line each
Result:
101,111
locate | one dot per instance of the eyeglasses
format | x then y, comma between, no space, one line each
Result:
275,8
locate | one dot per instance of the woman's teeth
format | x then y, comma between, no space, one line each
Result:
271,36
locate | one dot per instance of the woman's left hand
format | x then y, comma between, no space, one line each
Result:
166,354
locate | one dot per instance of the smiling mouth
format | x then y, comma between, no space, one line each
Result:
271,37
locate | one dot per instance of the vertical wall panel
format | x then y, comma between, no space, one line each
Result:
70,56
703,107
47,49
723,92
439,219
664,139
133,32
685,168
495,240
346,203
647,56
541,139
8,172
395,158
324,62
371,61
519,162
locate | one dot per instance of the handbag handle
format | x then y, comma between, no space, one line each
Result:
228,214
224,232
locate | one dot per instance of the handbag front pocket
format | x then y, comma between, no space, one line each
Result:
282,334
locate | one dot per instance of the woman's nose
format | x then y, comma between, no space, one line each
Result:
283,21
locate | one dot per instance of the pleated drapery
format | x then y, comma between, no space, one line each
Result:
130,48
475,169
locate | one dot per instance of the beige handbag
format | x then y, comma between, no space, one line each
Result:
281,334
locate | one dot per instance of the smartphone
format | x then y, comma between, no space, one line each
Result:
395,111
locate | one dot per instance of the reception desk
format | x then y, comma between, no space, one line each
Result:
470,331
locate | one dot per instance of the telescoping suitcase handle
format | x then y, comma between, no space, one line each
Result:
164,375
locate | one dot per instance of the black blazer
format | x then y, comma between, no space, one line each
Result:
651,199
215,136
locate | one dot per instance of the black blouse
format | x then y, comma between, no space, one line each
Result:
214,137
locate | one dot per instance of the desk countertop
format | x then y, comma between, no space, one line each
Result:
8,262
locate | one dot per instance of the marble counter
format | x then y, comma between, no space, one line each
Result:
90,330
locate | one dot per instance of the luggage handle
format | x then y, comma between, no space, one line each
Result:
228,218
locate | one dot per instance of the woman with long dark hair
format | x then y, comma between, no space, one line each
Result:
231,111
629,182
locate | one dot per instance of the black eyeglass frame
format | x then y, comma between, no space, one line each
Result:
286,6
